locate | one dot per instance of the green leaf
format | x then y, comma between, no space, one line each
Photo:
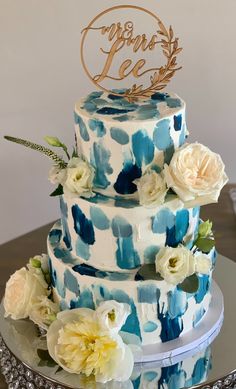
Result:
205,229
58,370
74,153
205,244
148,272
58,192
190,284
45,358
43,354
53,141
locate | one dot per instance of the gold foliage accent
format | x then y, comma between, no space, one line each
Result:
160,79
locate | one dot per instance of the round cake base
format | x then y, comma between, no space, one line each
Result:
206,329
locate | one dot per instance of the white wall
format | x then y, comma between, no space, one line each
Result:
41,77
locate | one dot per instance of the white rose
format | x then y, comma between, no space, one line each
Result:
175,264
152,189
22,290
79,178
78,343
196,174
203,264
43,312
112,315
57,175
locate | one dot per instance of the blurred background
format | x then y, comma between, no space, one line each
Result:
41,78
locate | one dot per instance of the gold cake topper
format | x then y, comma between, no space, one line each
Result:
121,36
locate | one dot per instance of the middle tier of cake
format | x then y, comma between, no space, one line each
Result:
120,235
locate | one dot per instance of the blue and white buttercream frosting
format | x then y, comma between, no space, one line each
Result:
121,138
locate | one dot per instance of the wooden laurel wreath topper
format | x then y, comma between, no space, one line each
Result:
122,36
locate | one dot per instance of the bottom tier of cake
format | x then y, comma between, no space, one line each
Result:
160,312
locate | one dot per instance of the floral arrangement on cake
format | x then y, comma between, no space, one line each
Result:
195,175
86,341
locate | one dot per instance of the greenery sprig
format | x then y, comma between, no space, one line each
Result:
205,240
34,146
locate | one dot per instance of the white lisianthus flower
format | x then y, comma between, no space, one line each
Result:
44,312
78,343
196,174
203,264
112,315
22,291
152,189
79,178
57,175
175,264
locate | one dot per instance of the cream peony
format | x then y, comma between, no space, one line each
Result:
57,175
203,264
43,312
196,174
22,291
175,264
152,189
78,343
79,178
112,315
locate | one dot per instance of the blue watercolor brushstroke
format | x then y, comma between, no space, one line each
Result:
119,135
150,376
150,254
55,236
82,128
71,282
148,294
113,111
98,127
63,254
177,303
181,224
85,300
100,157
176,234
143,148
121,228
158,96
161,135
126,256
163,220
147,111
173,102
64,212
99,219
82,249
178,122
203,289
124,183
150,326
83,226
170,328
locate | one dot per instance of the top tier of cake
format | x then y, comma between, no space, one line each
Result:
121,139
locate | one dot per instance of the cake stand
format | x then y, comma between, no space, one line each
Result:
214,344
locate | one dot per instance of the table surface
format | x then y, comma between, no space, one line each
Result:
15,253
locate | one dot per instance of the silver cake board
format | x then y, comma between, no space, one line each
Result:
205,331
